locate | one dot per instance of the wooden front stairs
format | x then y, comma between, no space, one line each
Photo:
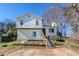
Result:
47,41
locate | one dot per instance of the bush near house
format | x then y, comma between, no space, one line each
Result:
8,30
58,38
9,36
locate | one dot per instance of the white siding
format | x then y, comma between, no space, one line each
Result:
25,31
28,34
29,22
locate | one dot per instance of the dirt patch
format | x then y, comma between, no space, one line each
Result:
60,51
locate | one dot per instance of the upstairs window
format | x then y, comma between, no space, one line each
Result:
21,22
37,23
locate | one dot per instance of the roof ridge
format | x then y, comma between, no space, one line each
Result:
29,14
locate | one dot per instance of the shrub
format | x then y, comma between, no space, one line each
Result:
57,38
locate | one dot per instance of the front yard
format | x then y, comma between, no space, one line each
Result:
9,44
33,48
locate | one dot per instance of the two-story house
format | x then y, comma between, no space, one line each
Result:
30,27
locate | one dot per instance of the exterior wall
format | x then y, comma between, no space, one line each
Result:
29,22
53,34
27,34
55,31
25,31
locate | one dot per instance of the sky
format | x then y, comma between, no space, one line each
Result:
12,10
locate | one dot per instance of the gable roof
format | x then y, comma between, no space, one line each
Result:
29,14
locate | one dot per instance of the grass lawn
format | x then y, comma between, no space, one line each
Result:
8,43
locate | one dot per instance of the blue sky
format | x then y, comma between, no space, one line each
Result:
11,11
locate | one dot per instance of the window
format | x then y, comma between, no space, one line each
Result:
37,23
34,34
51,30
21,22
